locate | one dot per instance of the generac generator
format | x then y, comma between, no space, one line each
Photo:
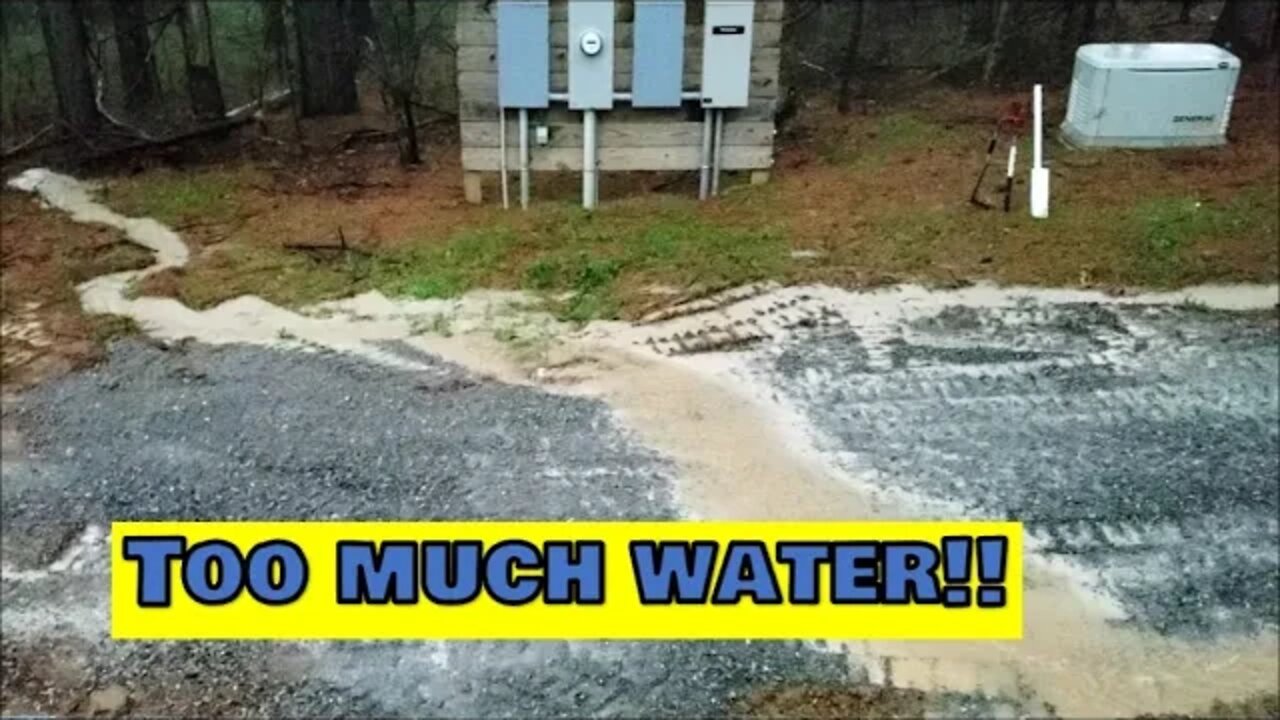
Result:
1150,95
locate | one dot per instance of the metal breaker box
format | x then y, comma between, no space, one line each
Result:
726,53
524,53
591,54
657,73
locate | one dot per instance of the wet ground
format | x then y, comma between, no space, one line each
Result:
1140,442
1137,438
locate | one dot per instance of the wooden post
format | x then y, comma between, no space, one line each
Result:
759,177
473,188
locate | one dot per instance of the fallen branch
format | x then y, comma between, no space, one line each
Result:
6,154
102,110
233,119
341,247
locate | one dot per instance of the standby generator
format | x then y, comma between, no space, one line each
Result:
1150,95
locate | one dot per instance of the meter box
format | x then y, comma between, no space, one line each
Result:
524,53
591,54
726,53
657,72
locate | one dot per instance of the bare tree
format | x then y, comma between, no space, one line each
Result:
849,68
402,30
327,51
67,45
997,42
133,44
202,68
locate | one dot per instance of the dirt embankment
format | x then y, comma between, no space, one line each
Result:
43,330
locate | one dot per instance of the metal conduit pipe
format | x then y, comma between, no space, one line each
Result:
502,160
524,158
590,149
717,155
704,169
589,160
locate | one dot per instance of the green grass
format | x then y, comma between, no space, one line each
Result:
105,328
588,266
585,266
180,198
1160,229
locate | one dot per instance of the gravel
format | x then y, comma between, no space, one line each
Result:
229,432
1140,441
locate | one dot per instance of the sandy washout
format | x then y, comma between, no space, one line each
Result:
743,451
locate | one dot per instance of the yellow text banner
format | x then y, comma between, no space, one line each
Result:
566,580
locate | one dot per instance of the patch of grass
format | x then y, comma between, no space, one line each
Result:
178,198
279,276
89,263
592,266
867,143
1163,228
439,324
465,262
105,328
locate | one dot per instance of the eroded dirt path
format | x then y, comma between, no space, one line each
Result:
1135,436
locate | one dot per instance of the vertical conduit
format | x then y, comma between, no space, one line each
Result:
590,182
704,171
502,159
524,158
717,157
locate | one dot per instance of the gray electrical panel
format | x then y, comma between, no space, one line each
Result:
591,54
726,53
524,53
657,73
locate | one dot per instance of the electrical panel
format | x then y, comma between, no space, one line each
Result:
591,54
726,53
657,73
524,53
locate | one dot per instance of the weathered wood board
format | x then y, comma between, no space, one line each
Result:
630,139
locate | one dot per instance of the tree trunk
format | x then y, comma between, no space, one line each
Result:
997,42
1243,27
1184,16
850,67
327,50
410,154
133,44
360,15
275,36
67,45
202,67
1090,21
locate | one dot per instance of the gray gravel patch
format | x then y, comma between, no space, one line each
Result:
199,432
1140,441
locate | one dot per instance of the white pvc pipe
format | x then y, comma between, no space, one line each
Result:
1038,141
502,160
704,169
1039,185
589,162
524,158
717,154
